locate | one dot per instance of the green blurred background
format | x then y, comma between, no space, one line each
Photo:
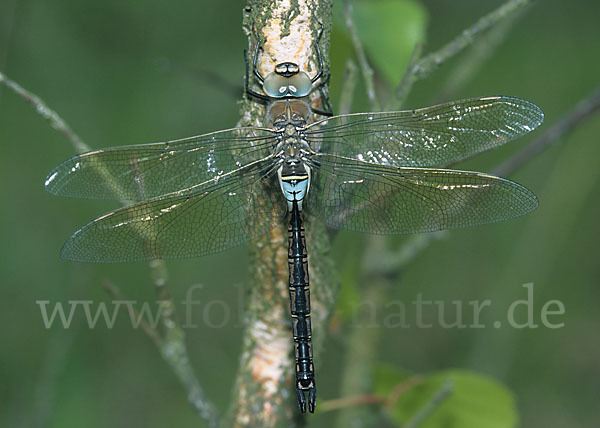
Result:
133,72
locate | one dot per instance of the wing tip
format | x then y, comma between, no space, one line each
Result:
532,111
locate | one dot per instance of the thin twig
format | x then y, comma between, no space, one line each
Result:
172,345
366,69
394,262
582,111
472,62
47,113
415,57
174,349
429,407
389,262
351,401
401,389
58,123
387,401
116,294
431,62
348,87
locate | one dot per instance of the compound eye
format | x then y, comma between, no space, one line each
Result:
276,86
300,84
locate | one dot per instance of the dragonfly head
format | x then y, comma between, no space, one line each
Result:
287,81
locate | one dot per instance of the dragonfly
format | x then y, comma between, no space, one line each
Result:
376,172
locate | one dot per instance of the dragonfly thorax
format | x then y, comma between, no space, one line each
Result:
289,112
289,119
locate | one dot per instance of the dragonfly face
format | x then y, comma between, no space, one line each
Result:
370,172
287,81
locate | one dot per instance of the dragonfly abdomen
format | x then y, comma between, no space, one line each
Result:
300,310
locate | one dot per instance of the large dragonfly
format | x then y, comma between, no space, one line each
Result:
365,172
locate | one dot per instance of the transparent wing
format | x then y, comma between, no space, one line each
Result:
145,171
353,195
205,219
432,136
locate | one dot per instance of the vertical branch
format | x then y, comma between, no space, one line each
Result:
264,389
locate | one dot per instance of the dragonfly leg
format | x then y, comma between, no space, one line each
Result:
249,91
326,111
258,42
319,57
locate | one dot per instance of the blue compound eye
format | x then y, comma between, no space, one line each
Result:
300,84
276,86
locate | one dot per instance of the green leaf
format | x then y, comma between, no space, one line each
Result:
475,400
389,30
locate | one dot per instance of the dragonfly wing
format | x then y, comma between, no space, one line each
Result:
432,136
205,219
353,195
145,171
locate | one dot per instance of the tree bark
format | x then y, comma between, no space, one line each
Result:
264,393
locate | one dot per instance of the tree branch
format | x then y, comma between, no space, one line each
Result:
264,393
482,49
381,264
349,85
429,407
171,343
428,64
47,113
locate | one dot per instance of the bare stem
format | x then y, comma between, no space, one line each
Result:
365,67
483,48
429,407
172,344
348,87
428,64
405,82
115,293
47,113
